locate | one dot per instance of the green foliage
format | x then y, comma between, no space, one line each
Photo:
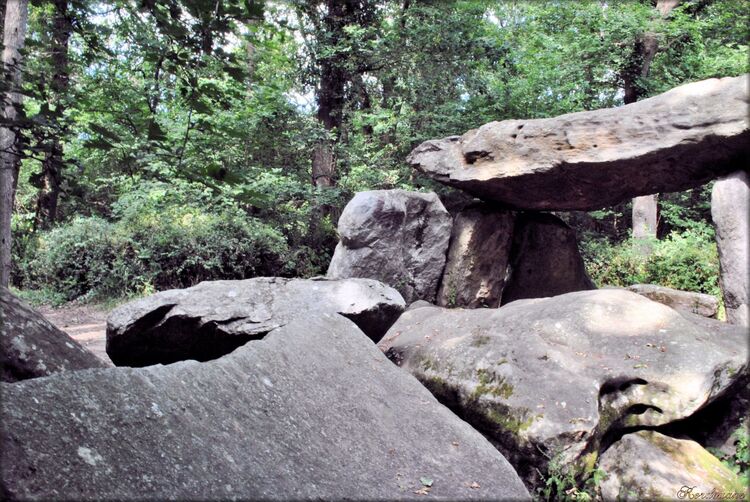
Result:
685,260
739,462
563,482
159,241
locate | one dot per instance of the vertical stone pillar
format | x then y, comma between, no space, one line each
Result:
645,218
730,211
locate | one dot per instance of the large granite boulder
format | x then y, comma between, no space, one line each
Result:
647,465
311,412
730,211
544,260
394,236
474,273
558,377
30,346
213,318
689,301
589,160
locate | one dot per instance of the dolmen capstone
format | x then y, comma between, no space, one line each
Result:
213,318
313,411
560,377
677,140
396,237
31,346
730,211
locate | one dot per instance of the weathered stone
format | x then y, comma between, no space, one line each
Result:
697,303
645,223
647,465
30,346
474,273
730,210
394,236
215,317
589,160
544,260
312,411
556,377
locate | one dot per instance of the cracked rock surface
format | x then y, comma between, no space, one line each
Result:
561,376
314,411
394,236
30,346
677,140
213,318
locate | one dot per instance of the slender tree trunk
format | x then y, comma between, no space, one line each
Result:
52,166
14,34
646,207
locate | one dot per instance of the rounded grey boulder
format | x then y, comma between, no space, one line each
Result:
396,237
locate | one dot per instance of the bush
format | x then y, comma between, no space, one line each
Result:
686,260
160,241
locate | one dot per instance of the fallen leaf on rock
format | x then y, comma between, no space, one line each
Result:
474,485
426,481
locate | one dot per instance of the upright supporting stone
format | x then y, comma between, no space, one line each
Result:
477,258
730,210
645,211
545,260
396,237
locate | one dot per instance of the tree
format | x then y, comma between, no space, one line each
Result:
14,35
55,97
646,207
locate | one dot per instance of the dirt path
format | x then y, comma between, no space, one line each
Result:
87,324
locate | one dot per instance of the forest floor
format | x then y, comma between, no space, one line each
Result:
87,324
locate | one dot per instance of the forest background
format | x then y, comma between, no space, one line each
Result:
168,142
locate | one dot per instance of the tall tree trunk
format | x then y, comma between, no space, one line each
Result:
14,35
646,207
52,166
330,93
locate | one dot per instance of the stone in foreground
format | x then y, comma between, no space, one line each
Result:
213,318
311,412
477,258
557,376
647,465
396,237
544,260
730,211
31,347
589,160
688,301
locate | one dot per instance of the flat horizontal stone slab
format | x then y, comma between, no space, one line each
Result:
314,411
31,346
588,160
555,377
213,318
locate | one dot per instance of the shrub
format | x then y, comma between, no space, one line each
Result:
686,260
159,242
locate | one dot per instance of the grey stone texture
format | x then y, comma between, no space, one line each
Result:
730,211
213,318
31,347
396,237
314,411
555,376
